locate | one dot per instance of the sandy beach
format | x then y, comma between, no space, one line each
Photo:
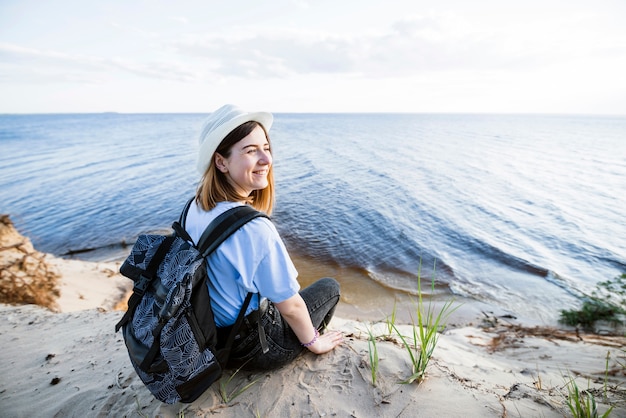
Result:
68,362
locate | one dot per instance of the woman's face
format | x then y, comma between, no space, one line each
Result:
248,164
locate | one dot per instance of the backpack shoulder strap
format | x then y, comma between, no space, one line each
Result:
217,232
183,214
224,226
179,227
219,229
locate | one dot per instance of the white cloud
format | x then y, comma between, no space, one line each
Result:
407,47
54,66
180,19
135,30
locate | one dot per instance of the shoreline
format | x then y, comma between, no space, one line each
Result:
362,298
366,295
365,299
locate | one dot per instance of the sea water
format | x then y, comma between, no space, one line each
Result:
523,211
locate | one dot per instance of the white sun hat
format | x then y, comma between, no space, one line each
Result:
219,124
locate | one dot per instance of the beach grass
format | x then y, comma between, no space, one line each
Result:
391,319
621,361
426,331
581,403
606,373
373,355
228,395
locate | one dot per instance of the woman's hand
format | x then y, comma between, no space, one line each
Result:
326,342
294,311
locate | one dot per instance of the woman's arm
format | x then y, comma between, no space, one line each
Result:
295,312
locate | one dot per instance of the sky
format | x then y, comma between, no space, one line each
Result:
480,56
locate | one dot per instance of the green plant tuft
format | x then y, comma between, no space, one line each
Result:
391,319
373,354
425,332
228,395
582,404
607,303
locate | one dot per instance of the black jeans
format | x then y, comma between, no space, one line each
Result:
321,298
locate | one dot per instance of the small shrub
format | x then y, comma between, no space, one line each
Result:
591,311
607,303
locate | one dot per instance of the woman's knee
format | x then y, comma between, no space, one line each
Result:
324,292
331,286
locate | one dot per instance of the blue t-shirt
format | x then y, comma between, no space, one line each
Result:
253,259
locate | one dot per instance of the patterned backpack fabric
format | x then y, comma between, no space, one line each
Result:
169,328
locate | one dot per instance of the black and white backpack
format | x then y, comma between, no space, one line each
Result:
169,328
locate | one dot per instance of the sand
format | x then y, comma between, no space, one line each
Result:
72,364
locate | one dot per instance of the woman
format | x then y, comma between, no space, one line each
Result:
236,164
